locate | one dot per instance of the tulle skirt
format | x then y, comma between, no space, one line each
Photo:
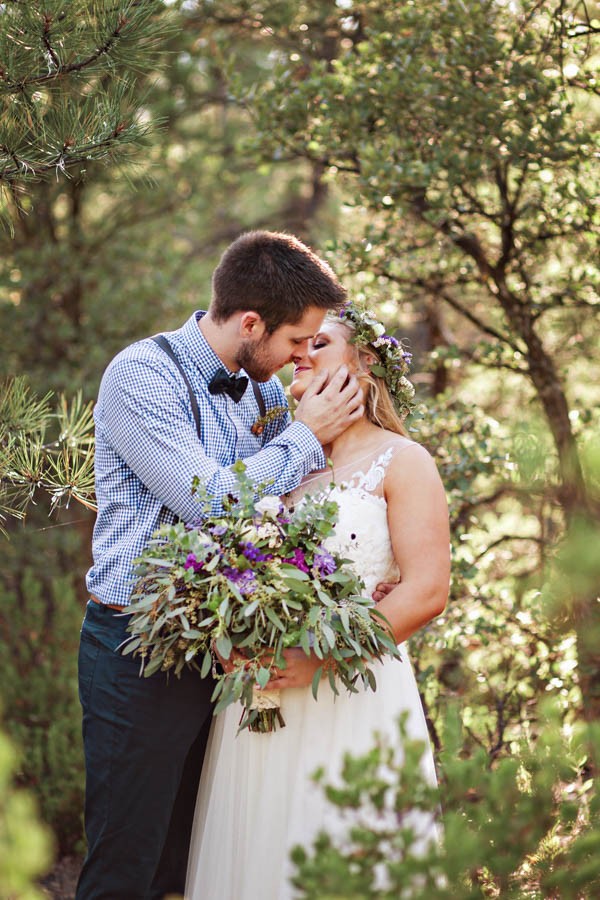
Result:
257,798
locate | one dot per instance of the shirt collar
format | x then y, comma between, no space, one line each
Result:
199,349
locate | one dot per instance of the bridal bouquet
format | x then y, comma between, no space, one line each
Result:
249,584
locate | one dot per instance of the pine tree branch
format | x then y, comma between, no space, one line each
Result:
30,463
68,156
63,70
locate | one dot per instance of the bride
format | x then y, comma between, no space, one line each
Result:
256,798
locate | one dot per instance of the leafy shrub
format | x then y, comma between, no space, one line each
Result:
526,826
25,845
39,633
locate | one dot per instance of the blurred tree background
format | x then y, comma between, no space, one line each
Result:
444,157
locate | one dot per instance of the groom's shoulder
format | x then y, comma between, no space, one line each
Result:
137,359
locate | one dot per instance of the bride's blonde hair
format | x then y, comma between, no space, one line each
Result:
379,405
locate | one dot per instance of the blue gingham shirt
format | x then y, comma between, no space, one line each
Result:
148,452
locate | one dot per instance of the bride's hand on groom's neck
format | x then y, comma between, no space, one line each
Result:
330,405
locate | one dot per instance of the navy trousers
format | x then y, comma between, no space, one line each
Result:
144,741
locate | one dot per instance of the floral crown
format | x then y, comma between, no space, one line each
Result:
392,360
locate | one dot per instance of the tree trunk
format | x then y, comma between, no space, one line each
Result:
573,495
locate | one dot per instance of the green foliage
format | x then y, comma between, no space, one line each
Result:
526,827
495,647
29,462
25,845
68,82
39,632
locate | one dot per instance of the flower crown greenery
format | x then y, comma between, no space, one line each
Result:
392,360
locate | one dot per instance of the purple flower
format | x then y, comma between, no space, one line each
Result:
298,560
252,552
192,563
392,340
245,581
324,563
218,530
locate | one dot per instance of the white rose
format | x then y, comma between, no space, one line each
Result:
269,533
268,506
407,386
251,534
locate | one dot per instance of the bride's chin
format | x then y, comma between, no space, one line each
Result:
297,390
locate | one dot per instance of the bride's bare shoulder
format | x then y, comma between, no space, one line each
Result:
393,443
408,459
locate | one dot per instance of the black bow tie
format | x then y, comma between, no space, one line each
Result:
234,385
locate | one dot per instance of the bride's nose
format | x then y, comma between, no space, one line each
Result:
300,354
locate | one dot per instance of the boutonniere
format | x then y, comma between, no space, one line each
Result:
276,412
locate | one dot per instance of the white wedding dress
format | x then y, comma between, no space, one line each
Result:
256,798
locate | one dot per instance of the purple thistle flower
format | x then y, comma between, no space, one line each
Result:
298,560
245,581
192,563
324,563
251,552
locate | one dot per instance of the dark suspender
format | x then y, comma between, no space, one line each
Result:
259,397
164,344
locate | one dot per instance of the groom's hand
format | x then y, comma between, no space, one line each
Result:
383,589
329,407
299,670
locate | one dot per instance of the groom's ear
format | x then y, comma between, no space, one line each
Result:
251,325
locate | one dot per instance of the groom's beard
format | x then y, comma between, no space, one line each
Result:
256,360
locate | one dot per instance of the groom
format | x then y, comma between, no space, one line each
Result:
164,415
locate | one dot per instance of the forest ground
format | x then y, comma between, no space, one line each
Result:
61,881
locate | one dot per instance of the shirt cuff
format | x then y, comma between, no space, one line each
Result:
312,452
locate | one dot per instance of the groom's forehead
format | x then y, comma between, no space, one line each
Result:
305,328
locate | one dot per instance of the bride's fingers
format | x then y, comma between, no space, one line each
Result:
236,660
383,589
299,670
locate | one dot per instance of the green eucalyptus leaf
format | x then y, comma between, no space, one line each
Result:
316,681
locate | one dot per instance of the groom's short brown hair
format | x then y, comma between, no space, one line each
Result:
275,275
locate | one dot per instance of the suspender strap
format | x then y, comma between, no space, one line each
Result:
259,397
164,344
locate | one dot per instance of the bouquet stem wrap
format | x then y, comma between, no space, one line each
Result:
268,711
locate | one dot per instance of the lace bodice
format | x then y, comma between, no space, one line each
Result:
362,534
